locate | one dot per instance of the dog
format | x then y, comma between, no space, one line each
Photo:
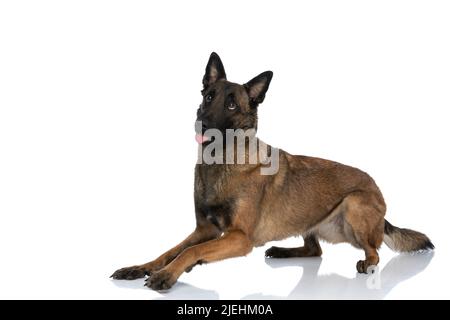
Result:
238,208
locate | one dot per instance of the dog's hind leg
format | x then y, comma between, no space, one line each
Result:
364,218
311,248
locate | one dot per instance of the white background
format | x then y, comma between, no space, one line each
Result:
97,150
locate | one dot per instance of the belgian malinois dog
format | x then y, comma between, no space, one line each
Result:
238,208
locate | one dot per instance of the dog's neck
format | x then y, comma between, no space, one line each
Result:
251,153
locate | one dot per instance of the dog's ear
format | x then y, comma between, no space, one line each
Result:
257,87
214,70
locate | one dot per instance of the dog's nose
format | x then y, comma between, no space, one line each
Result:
203,121
201,125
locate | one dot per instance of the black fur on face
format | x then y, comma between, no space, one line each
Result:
228,105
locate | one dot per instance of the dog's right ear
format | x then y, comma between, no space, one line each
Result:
214,70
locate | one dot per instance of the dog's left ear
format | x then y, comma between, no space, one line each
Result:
214,70
257,88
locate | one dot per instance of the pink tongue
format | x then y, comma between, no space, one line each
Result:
201,138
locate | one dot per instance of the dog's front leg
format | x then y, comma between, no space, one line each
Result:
201,234
231,244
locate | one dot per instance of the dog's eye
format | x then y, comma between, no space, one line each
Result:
232,106
208,98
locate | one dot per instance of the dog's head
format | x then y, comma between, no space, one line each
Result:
228,105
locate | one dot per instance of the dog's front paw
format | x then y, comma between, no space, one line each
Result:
161,280
130,273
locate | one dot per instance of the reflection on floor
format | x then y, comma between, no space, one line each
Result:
334,286
314,286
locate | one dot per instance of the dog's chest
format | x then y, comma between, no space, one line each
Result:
214,201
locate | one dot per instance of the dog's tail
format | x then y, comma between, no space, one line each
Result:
405,240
